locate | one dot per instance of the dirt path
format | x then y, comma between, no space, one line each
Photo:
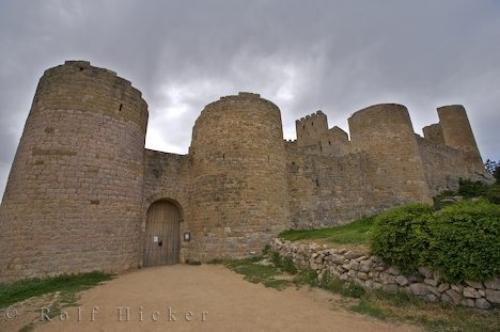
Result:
218,300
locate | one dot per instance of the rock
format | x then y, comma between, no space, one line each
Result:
377,285
482,304
337,259
352,274
353,265
431,282
455,296
401,280
434,290
457,288
426,272
344,277
386,278
362,276
493,296
471,292
443,287
352,254
379,268
419,289
475,284
366,265
493,284
482,292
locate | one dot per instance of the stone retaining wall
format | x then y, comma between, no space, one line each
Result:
371,272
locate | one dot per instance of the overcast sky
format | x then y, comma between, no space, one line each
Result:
337,56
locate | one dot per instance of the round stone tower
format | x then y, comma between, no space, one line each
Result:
238,189
385,134
457,133
73,198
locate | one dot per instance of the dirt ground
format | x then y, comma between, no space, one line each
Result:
208,298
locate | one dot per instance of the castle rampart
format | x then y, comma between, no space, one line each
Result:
84,194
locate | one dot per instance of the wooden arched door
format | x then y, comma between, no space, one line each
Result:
162,240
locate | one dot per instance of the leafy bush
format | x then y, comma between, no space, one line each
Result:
469,189
493,194
465,241
401,235
461,241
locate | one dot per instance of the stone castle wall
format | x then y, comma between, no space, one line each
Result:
82,182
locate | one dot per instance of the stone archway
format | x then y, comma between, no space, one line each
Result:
162,236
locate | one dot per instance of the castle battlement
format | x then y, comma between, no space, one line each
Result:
85,194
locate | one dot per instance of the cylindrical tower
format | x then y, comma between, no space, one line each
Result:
457,134
385,134
73,201
238,186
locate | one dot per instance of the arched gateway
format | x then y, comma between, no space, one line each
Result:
162,239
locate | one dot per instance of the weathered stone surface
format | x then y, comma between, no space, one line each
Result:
443,287
475,284
482,304
471,292
455,296
493,296
468,303
401,280
386,278
431,282
419,289
362,275
352,254
337,259
493,284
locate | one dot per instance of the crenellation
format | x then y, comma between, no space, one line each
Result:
81,168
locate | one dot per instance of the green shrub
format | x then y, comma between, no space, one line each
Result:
401,235
496,174
493,194
285,264
465,242
469,189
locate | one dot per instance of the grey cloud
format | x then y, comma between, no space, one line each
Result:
338,56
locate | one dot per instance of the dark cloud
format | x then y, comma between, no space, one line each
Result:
337,56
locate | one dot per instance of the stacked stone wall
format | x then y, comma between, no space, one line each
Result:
372,273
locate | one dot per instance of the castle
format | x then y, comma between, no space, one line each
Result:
84,194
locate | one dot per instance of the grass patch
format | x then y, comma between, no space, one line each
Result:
66,284
368,308
255,272
356,233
